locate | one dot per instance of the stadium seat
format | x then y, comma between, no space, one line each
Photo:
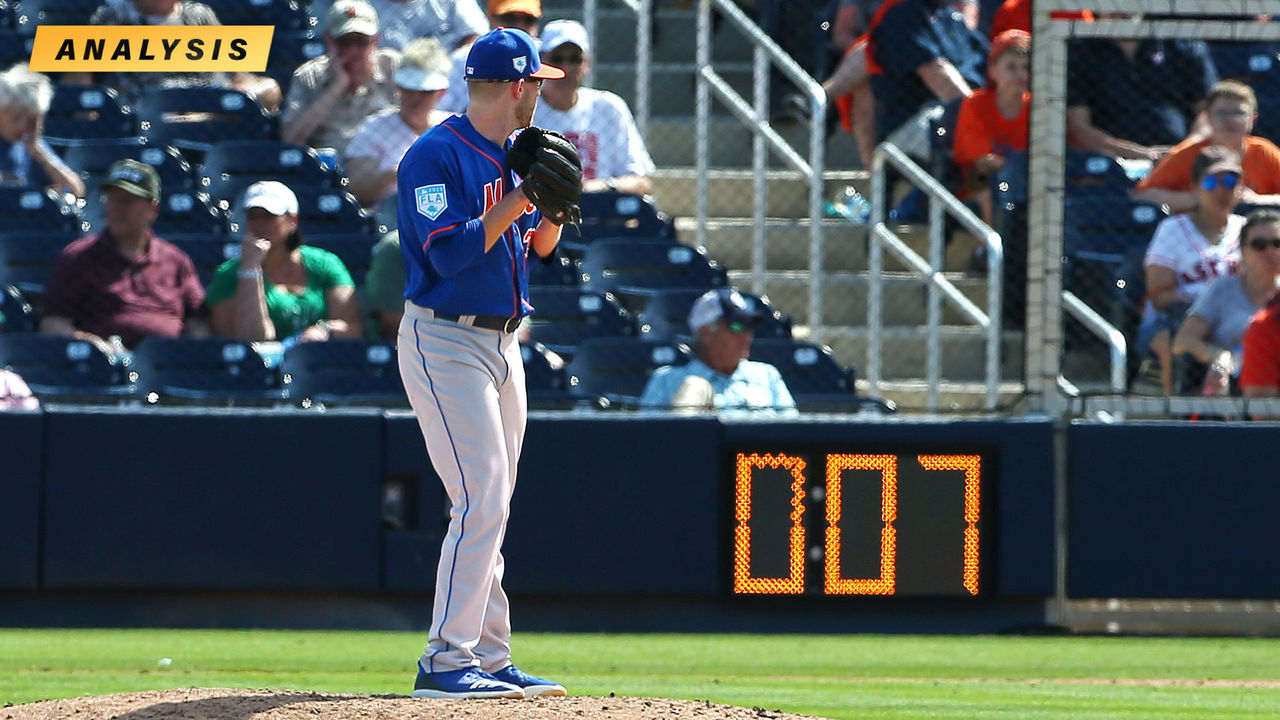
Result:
814,378
194,119
182,212
16,314
665,315
618,368
343,372
354,249
15,47
36,209
1104,240
290,49
86,112
564,317
208,252
544,382
63,368
631,267
1089,174
232,165
27,258
92,159
614,214
1258,65
560,272
322,211
283,14
28,14
204,370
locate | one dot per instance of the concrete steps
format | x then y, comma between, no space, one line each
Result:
732,193
904,350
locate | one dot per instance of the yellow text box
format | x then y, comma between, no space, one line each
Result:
151,48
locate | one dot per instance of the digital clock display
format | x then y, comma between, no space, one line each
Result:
845,521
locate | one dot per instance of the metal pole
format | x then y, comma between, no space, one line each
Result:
933,342
817,147
644,61
759,166
589,9
702,105
875,269
995,311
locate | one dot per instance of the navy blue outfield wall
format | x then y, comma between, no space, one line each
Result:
345,504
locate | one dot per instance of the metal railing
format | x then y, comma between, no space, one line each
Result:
756,118
1117,346
939,287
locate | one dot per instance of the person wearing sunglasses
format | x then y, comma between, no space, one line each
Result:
1232,110
331,95
518,14
720,377
598,122
1260,356
1213,331
1188,251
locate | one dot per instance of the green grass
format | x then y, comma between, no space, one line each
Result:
847,676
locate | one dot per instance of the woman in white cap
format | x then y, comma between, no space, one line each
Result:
374,152
279,288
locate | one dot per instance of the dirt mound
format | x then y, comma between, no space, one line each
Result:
217,704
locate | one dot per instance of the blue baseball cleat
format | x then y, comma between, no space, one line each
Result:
464,684
533,686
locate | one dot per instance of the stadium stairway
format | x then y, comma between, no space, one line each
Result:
671,141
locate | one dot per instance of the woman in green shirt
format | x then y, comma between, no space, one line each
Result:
279,288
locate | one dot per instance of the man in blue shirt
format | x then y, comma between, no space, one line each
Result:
721,377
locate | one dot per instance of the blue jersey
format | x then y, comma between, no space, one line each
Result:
448,178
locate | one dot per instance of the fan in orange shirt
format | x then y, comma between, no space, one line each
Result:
992,122
1232,108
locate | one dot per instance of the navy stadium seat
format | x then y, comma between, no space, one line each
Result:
559,272
1089,174
343,372
27,257
194,119
665,315
232,165
323,211
354,249
204,370
564,317
182,212
812,375
618,368
63,368
15,47
87,112
92,159
632,267
545,384
614,214
207,252
16,314
283,14
36,209
30,13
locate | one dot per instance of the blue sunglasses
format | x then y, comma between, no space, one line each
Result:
1227,180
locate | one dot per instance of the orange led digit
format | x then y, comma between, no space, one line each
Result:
743,582
972,467
833,582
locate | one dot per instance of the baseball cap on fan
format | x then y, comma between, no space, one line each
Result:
507,54
271,195
351,16
724,303
532,8
134,177
561,32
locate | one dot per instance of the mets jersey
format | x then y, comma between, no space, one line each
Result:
447,180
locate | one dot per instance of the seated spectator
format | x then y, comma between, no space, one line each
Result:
14,393
993,121
1213,331
132,86
519,14
1231,108
848,88
1260,361
375,151
384,287
124,281
927,52
598,122
720,377
331,95
1190,250
452,22
1136,98
279,288
26,160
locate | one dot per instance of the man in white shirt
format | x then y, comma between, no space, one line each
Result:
598,122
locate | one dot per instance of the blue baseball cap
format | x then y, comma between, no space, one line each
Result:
507,54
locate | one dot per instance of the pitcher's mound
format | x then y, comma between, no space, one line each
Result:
218,704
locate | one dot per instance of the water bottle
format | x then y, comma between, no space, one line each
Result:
848,203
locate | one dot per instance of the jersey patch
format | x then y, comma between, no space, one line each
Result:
431,200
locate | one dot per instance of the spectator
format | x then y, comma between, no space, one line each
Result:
848,88
993,121
519,14
124,281
1231,109
1136,98
1213,331
721,377
1260,364
453,22
1190,250
14,393
331,95
279,288
26,160
375,151
598,122
1011,15
927,52
132,86
384,287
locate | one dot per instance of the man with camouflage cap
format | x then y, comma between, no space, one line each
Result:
124,281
